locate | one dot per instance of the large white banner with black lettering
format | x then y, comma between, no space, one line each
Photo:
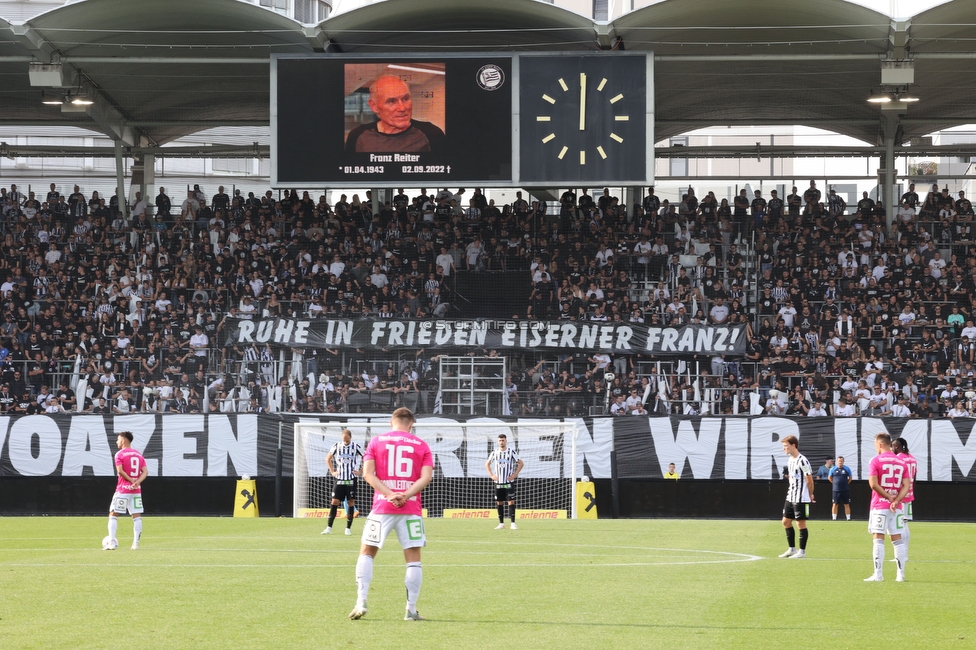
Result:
742,448
730,448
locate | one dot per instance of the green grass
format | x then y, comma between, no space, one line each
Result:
238,583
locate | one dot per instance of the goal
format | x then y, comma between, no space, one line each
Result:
461,487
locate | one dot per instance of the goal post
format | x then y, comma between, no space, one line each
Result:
461,487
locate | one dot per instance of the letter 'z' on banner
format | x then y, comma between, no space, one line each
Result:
246,498
586,499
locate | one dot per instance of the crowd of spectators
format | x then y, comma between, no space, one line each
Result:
831,295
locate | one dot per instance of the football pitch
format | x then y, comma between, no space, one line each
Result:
278,583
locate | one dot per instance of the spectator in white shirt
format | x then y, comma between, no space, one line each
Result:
906,213
199,342
137,206
601,362
337,266
842,409
969,331
958,410
379,278
719,313
877,402
53,406
776,405
787,314
937,264
900,409
817,410
907,316
445,262
247,309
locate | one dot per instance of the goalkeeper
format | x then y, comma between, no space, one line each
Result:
345,463
503,466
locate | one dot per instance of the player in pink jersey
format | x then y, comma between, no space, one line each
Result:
900,447
890,482
398,465
132,471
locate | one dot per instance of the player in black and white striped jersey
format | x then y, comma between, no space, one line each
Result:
345,461
503,466
799,496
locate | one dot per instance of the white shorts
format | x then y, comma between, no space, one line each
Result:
886,522
409,530
123,503
907,510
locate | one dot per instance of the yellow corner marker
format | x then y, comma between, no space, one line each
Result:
586,500
246,498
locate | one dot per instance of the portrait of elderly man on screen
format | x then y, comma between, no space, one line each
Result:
395,130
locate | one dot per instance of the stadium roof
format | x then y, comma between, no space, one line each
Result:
162,70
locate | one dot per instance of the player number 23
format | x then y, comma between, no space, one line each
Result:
892,475
398,462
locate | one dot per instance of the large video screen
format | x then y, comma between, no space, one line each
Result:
393,120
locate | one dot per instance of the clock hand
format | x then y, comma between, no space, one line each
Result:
582,101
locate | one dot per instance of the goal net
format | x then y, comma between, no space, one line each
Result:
461,487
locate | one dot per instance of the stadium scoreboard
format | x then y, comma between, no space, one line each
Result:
492,120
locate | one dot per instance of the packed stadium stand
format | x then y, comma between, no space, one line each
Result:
837,304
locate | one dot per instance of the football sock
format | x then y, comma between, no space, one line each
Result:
901,553
413,579
791,537
512,508
113,527
848,517
501,514
332,514
137,528
907,535
364,576
804,534
349,514
834,516
879,553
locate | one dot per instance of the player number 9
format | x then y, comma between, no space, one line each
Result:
134,465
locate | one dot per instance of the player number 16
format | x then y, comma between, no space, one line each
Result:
398,463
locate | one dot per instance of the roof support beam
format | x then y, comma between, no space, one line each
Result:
112,122
316,38
263,151
899,37
103,111
704,58
142,60
606,35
